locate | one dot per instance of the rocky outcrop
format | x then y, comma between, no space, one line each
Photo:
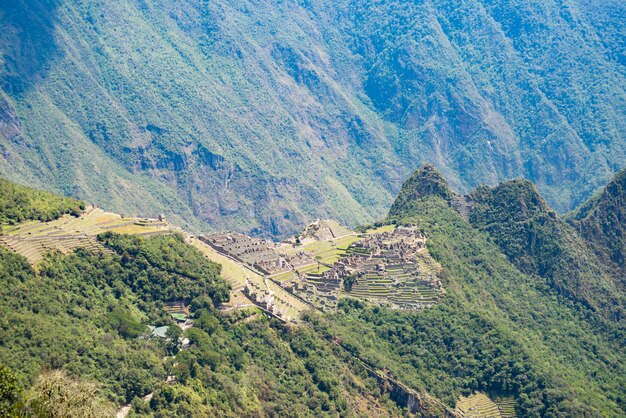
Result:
10,125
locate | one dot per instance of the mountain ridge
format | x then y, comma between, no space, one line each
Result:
568,251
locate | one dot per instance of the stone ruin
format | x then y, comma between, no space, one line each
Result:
261,255
387,268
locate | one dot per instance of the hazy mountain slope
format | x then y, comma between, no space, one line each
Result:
261,115
497,88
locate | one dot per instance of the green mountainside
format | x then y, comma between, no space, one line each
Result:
509,271
19,203
263,115
75,342
426,181
602,221
539,242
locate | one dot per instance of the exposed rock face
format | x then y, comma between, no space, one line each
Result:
10,125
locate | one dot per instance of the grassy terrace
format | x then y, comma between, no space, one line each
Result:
381,229
283,277
34,238
478,405
506,405
328,251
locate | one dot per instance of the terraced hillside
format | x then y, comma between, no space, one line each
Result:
283,279
33,239
506,405
478,405
404,286
371,266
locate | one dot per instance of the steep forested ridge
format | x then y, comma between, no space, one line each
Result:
602,222
19,203
261,115
533,285
539,242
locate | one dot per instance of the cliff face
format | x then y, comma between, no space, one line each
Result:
10,125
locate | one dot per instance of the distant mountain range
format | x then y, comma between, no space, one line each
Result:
263,115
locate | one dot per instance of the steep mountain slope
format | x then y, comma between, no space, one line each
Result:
85,315
260,115
539,242
602,222
426,181
560,345
496,330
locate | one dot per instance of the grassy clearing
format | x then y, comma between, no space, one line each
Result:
329,251
381,229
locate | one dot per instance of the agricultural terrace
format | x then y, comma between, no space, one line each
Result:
479,405
32,239
250,287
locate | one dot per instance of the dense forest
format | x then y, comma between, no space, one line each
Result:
19,203
539,242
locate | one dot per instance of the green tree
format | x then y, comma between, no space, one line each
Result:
9,393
